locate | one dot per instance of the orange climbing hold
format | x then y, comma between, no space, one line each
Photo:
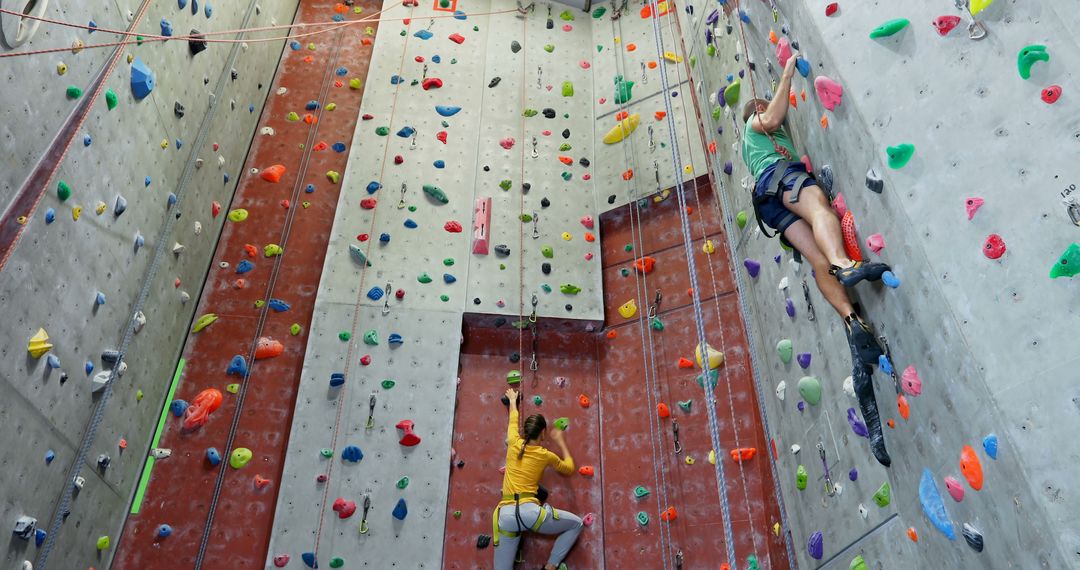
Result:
651,65
583,400
587,471
663,410
566,160
743,454
773,38
644,264
320,146
792,99
310,119
267,347
631,47
589,237
239,284
971,468
851,241
902,405
260,481
669,514
686,363
891,423
912,534
341,8
628,174
712,147
251,250
273,173
824,122
659,115
612,334
621,115
198,413
366,42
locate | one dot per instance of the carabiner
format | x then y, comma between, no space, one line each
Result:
655,307
371,413
401,202
363,521
532,317
536,223
675,429
386,304
534,153
810,315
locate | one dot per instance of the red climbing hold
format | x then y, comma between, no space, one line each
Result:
368,204
994,246
431,83
743,454
285,204
628,174
669,514
343,508
367,116
583,401
644,265
452,227
611,334
831,9
441,135
281,560
621,115
398,159
971,468
320,146
267,347
198,413
362,237
215,209
261,482
409,439
419,59
587,471
663,410
946,24
400,293
1051,94
686,363
365,359
457,38
851,241
273,173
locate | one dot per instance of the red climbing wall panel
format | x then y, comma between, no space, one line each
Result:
182,487
620,434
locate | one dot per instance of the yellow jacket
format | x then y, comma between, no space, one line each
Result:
523,475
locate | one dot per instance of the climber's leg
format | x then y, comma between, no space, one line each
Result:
801,237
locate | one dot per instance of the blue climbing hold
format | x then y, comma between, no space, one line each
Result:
803,358
337,379
424,34
853,474
251,108
342,71
447,278
339,147
395,79
179,143
352,454
447,110
394,338
213,456
312,105
384,237
163,531
338,18
373,187
208,10
309,559
278,305
310,189
39,537
87,140
244,266
142,79
439,163
171,200
803,66
99,299
409,223
177,407
225,177
890,279
884,364
933,506
436,59
139,241
237,366
182,4
375,293
194,7
459,15
52,361
49,456
166,27
406,132
50,216
401,510
89,367
295,45
990,445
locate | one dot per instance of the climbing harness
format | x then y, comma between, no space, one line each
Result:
830,490
675,429
655,306
779,176
367,507
371,413
517,497
810,315
386,303
401,202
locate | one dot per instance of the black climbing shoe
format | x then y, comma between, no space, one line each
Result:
865,348
864,391
861,270
825,181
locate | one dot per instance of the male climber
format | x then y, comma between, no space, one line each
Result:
788,199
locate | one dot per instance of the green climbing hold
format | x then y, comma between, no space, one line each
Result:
326,452
889,28
566,16
567,89
810,390
138,395
693,61
569,288
800,478
625,272
331,106
643,518
751,562
382,131
355,83
333,176
857,563
883,496
622,90
295,329
111,100
453,60
711,50
599,12
502,267
741,219
1028,57
545,287
529,112
505,184
562,423
564,147
599,48
525,218
714,377
656,324
537,400
547,251
259,303
74,92
445,124
412,208
444,298
402,33
476,28
292,117
566,176
641,492
549,48
1068,265
732,92
716,112
436,193
344,336
424,278
513,377
232,388
899,155
628,247
63,191
444,3
784,349
685,406
403,482
457,514
387,384
448,261
337,561
239,457
103,543
371,338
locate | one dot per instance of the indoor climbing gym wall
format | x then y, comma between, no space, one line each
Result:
939,126
119,143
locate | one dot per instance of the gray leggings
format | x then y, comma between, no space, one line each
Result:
567,526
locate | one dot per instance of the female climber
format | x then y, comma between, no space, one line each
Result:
520,509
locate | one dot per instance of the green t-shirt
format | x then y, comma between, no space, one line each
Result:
758,150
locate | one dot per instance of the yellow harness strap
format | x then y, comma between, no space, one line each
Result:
496,531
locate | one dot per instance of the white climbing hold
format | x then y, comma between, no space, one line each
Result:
139,321
160,452
198,163
101,379
282,90
79,481
178,248
221,161
267,131
780,388
862,511
198,228
849,386
184,297
121,368
784,284
795,448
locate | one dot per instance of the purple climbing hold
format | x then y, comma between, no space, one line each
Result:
853,474
789,306
815,546
802,406
857,424
752,267
728,168
804,359
776,259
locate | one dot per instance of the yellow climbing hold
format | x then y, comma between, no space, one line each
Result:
566,236
333,176
331,106
76,212
623,129
355,83
690,460
670,56
100,208
715,357
204,321
776,529
628,309
272,250
103,542
138,395
689,169
164,144
238,215
979,5
712,456
232,388
708,248
39,344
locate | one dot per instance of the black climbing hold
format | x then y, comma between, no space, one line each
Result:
526,186
235,74
549,113
476,301
611,199
461,462
110,356
197,43
550,24
500,321
794,44
502,249
63,377
514,357
569,307
874,182
545,203
487,168
515,46
584,162
483,541
973,537
494,81
546,268
752,66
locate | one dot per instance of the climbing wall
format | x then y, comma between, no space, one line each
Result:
84,275
976,329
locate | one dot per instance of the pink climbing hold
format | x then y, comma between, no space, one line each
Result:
588,519
588,256
586,177
973,205
955,489
281,560
457,39
876,243
567,28
946,24
431,83
911,382
994,246
585,65
805,159
783,51
839,205
343,508
507,143
587,221
1051,94
409,439
828,91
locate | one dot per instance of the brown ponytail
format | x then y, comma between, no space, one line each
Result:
534,426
